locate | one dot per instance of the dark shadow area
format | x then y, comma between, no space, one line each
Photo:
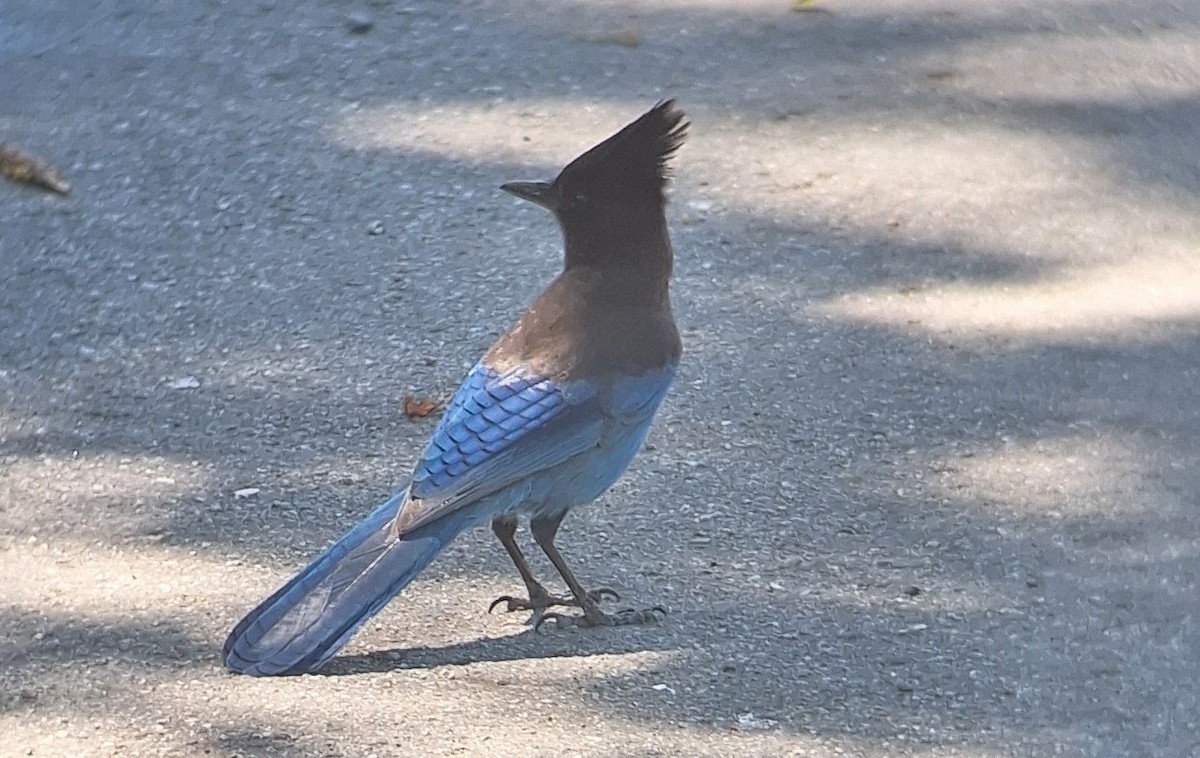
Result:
527,645
1138,136
259,742
49,657
59,639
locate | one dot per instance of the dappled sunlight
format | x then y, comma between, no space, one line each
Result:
315,715
74,735
480,133
1050,479
801,166
979,598
107,583
148,609
91,493
110,582
1138,65
147,582
953,171
1116,301
804,171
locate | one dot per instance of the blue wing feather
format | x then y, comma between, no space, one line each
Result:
491,412
504,426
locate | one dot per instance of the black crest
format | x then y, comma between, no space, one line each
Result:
635,158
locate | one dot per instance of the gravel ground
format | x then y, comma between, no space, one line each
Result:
928,485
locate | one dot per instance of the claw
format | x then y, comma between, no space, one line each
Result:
522,604
623,617
558,619
642,615
503,599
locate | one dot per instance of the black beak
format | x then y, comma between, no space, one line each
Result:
540,193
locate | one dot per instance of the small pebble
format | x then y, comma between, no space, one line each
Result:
359,23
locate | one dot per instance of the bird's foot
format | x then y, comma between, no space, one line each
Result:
543,600
596,617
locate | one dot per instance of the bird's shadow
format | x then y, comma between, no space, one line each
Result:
525,645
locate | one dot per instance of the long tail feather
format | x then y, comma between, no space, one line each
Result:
315,614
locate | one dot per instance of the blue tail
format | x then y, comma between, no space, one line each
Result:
311,617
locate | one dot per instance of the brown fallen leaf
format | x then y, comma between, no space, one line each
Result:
22,167
808,6
419,407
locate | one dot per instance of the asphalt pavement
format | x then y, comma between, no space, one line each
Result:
928,482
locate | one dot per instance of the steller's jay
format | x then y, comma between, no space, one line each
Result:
547,420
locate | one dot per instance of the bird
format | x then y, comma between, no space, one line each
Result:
547,420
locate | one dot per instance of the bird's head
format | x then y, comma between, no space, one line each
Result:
622,176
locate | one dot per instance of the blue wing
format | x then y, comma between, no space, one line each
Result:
499,428
504,426
490,413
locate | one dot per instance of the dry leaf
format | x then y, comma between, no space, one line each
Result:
807,6
419,408
22,167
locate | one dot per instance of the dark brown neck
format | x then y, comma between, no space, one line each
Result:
633,256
